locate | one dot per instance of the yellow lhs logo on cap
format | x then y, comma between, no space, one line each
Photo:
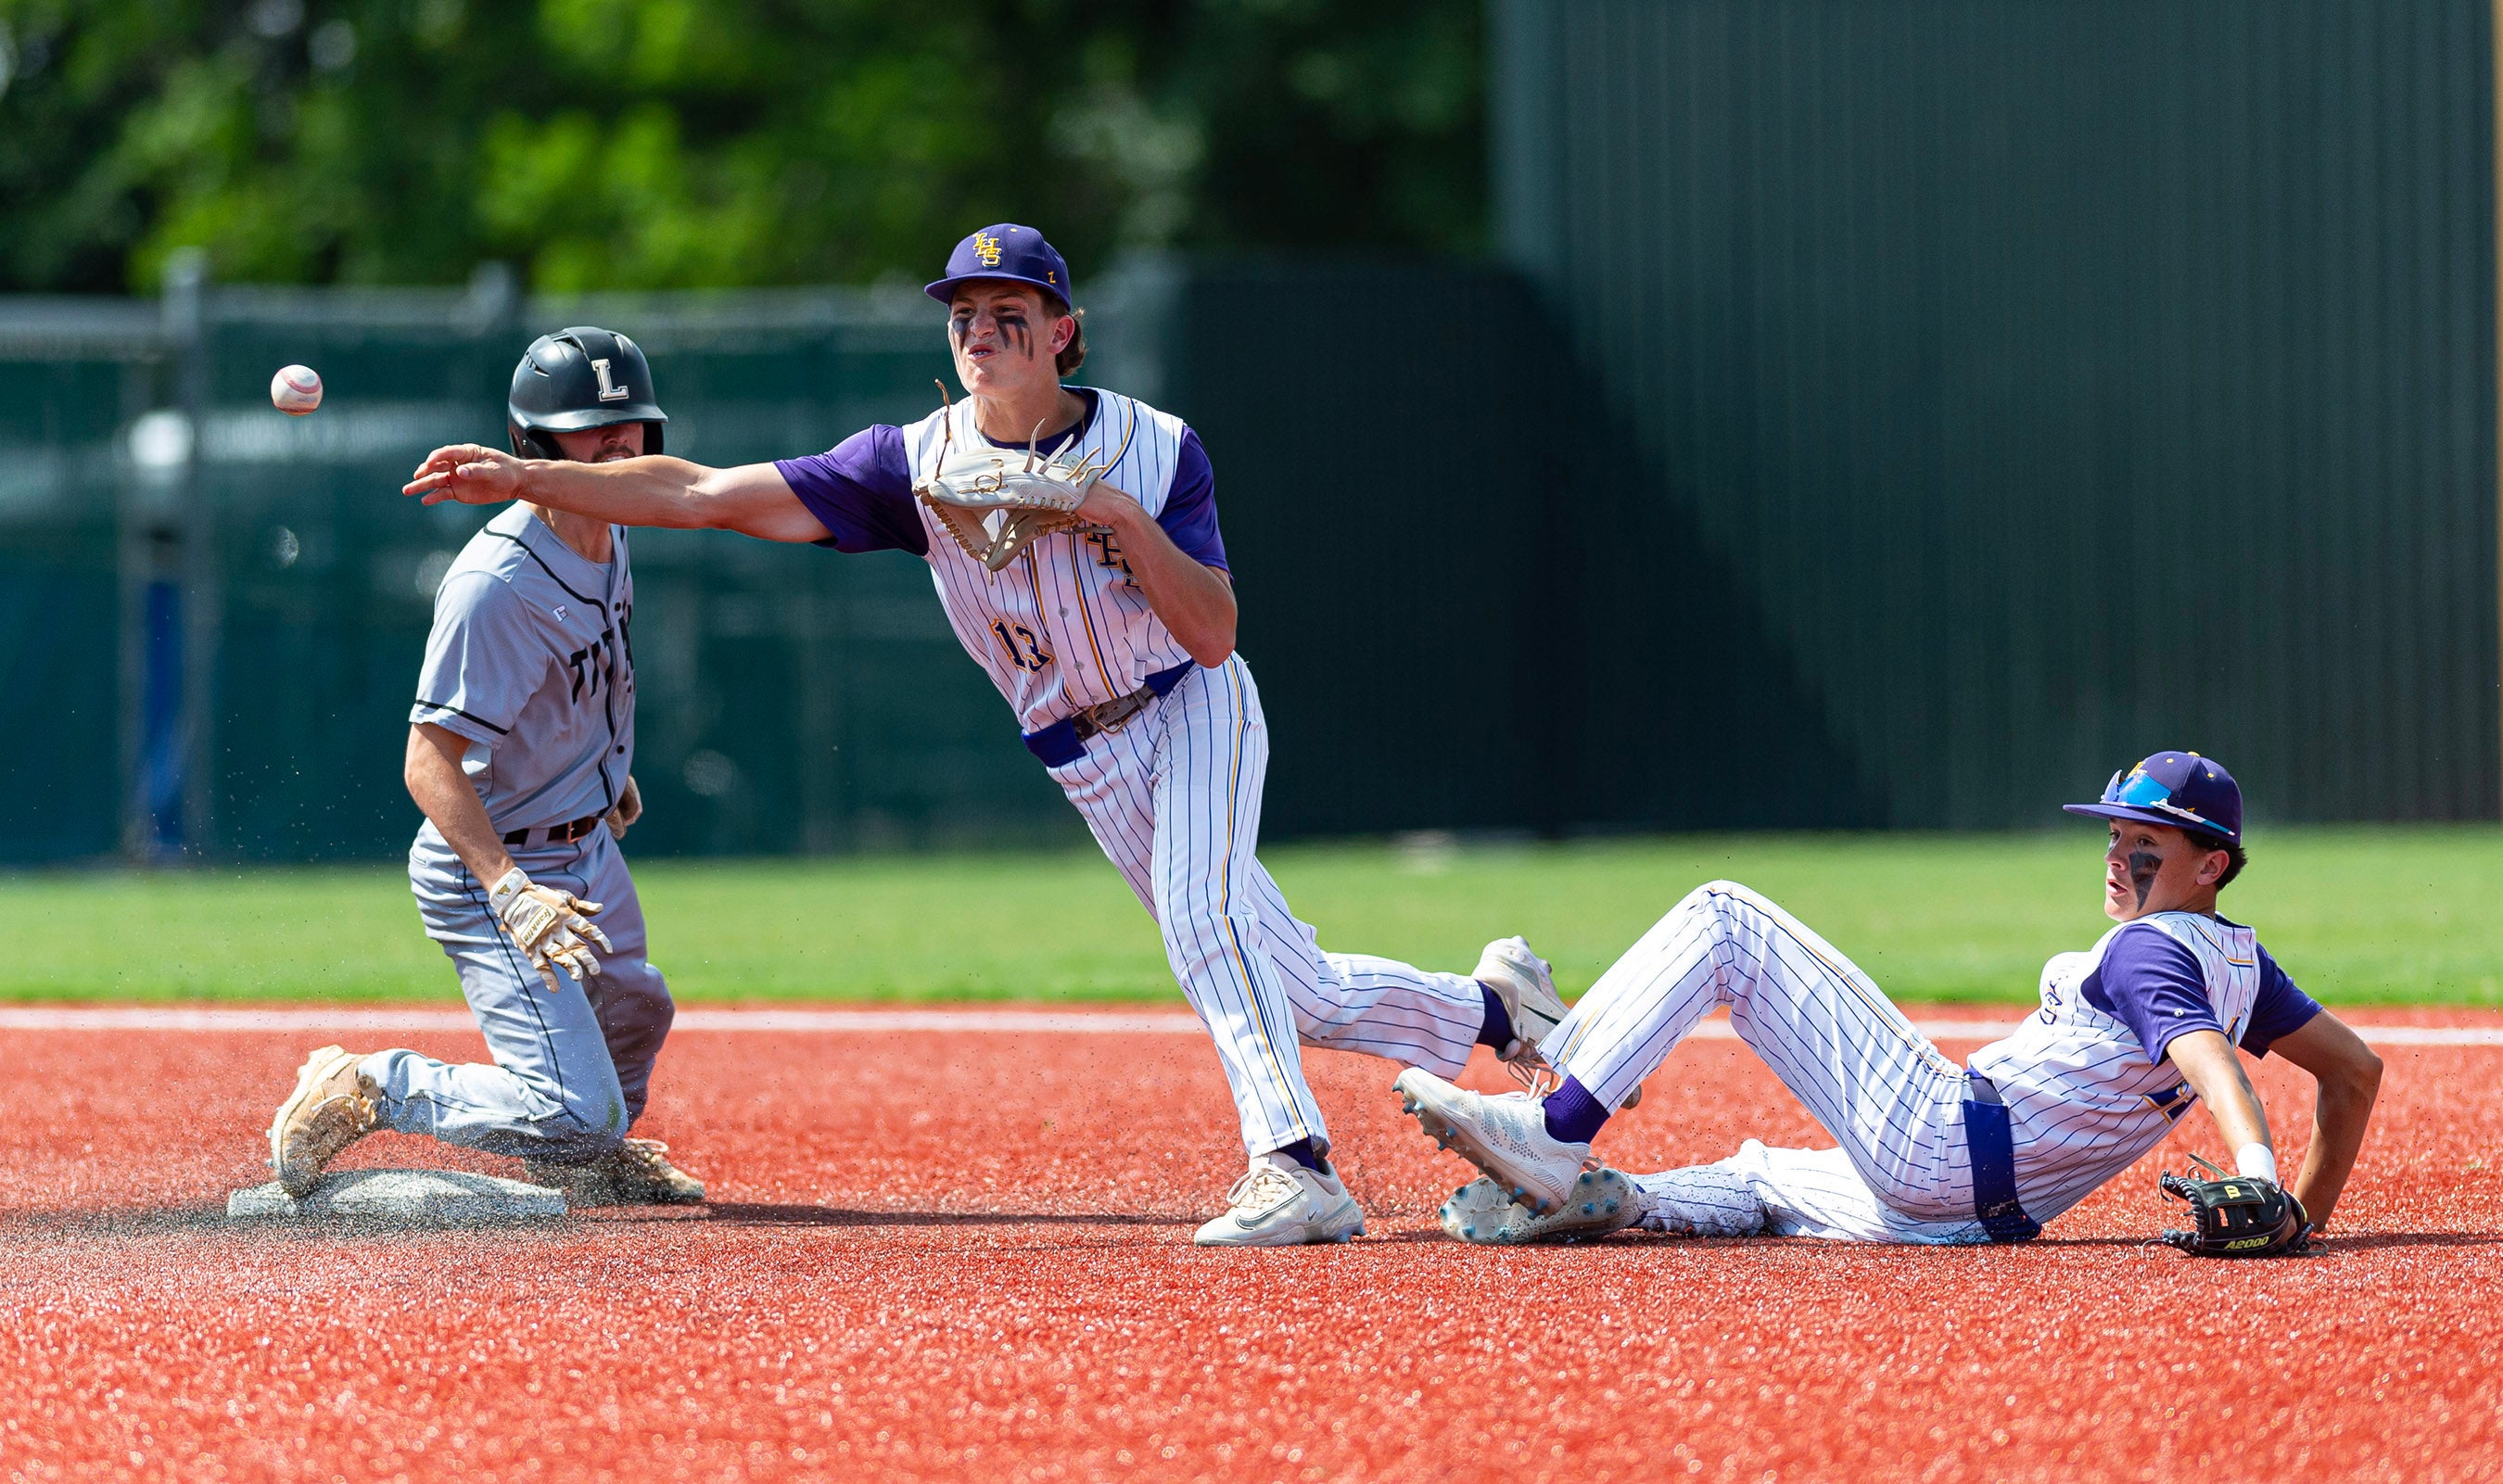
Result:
987,248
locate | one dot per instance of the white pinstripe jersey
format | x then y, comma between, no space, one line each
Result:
2084,1100
1063,625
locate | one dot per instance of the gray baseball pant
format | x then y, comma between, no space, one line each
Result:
572,1068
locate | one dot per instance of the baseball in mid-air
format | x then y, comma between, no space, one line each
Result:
296,389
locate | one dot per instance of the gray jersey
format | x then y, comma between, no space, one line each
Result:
529,660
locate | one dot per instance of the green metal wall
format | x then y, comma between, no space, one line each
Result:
2057,381
1422,561
61,774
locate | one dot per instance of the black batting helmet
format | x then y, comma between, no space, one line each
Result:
578,378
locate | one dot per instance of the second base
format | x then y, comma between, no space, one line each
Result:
427,1197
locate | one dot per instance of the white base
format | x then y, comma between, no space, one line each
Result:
434,1198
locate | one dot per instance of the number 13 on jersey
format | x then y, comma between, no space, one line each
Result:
1024,652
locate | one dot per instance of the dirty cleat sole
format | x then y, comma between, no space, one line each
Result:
1602,1201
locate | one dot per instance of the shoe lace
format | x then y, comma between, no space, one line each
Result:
1261,1184
1530,1069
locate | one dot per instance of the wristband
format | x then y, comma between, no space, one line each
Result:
510,884
2257,1162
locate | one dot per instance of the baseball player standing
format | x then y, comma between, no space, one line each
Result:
521,751
1113,642
2130,1034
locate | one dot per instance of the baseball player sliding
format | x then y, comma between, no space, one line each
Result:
521,751
2130,1034
1072,533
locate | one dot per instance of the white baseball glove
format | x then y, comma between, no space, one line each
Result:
549,926
996,502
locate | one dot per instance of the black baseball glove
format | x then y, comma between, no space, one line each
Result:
2238,1217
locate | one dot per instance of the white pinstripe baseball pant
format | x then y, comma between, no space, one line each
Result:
1174,798
1894,1101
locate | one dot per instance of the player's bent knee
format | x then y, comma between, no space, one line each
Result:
1713,901
585,1128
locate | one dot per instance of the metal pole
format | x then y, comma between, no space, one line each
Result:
186,325
1524,135
134,568
2494,141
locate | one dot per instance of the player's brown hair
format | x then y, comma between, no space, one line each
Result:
2236,857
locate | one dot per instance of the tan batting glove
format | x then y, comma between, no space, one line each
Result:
627,808
549,926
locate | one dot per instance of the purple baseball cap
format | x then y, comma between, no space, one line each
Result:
1017,253
2180,789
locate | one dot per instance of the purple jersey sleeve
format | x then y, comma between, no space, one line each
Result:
861,490
1189,515
2151,983
2280,1009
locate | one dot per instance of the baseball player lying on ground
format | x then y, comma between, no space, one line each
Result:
521,751
1071,534
2130,1034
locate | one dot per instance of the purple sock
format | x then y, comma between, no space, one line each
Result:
1496,1032
1301,1151
1573,1115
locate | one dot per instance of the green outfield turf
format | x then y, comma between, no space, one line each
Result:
2380,914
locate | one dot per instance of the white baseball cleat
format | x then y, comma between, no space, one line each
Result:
1601,1200
1527,984
331,1108
1504,1136
1279,1203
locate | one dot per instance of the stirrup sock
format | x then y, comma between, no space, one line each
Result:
1497,1030
1573,1115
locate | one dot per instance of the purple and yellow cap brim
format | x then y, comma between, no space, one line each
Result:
2185,819
944,289
2155,791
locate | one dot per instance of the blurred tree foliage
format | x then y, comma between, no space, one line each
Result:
678,143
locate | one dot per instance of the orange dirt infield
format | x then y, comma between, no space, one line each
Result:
965,1255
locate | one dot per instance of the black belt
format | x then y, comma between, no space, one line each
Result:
555,834
1064,742
1992,1145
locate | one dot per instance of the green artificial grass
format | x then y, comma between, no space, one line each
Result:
2357,914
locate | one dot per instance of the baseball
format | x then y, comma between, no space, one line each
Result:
296,389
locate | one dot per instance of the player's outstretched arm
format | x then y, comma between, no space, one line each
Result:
2350,1078
1195,602
751,499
